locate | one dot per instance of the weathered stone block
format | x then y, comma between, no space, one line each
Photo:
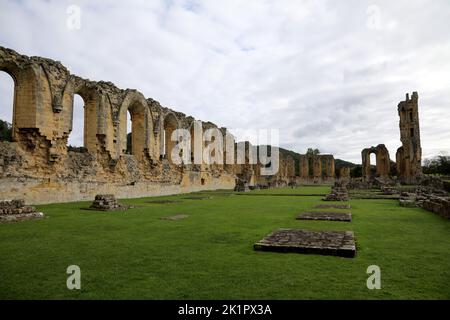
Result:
337,243
329,216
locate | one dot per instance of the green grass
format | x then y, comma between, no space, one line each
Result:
209,255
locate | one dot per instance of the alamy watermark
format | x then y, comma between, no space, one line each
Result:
74,278
73,21
374,280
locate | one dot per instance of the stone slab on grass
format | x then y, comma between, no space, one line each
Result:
336,243
329,216
21,217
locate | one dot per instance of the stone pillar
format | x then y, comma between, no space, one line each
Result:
383,161
365,154
344,174
409,156
304,166
330,166
317,166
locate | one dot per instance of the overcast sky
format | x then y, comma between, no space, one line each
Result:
328,74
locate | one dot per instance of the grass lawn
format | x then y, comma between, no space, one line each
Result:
209,255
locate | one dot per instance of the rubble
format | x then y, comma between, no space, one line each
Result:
339,192
16,210
107,202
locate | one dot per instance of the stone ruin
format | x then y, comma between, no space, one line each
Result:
16,210
241,186
433,200
339,192
139,164
316,169
383,165
389,190
107,202
326,216
408,165
336,243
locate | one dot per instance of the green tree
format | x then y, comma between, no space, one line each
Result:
313,152
5,131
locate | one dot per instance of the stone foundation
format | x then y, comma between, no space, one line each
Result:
336,243
338,193
436,201
328,216
332,206
16,210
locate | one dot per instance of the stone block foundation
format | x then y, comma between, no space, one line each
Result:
336,243
328,216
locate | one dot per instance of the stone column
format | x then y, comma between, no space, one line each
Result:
304,167
317,166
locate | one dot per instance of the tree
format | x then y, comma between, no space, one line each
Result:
313,152
437,165
356,172
5,131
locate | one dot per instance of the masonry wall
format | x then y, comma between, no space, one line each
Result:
38,166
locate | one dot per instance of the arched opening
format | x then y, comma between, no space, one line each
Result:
7,90
133,129
77,137
169,126
373,164
192,133
129,149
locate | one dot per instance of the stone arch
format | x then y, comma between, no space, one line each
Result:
25,79
169,124
91,112
141,124
7,105
382,159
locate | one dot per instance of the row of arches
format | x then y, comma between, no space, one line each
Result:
81,110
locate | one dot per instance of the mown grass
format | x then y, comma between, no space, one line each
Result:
209,255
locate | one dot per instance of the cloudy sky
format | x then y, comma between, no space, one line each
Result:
328,74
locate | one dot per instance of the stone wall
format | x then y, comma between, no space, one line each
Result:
383,162
316,169
38,166
409,155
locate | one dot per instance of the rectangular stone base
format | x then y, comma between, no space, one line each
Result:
336,243
328,216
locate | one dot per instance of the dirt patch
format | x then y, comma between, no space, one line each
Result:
333,206
163,201
175,217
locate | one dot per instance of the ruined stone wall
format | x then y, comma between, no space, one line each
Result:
316,169
383,162
409,155
37,165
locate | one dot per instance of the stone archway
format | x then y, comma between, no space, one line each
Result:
170,124
383,162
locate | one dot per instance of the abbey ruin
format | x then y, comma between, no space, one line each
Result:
409,156
38,166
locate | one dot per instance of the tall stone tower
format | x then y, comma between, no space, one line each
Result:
409,156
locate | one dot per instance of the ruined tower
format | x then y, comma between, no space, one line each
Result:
409,156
